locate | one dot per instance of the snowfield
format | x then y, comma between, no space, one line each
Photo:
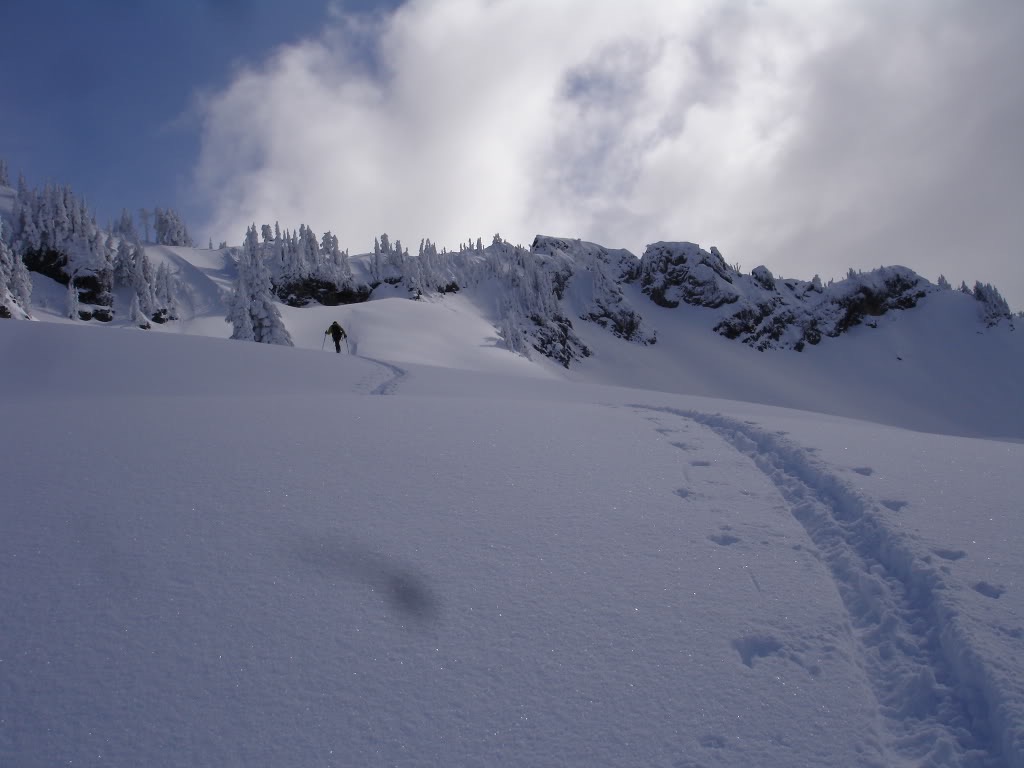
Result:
435,552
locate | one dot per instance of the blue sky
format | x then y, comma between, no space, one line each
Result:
100,94
808,137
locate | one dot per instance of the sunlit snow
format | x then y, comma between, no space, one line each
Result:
432,551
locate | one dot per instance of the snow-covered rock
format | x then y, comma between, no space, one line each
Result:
789,314
597,277
671,273
764,311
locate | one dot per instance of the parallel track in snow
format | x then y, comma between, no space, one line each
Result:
940,700
388,387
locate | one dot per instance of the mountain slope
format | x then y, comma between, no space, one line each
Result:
934,368
215,552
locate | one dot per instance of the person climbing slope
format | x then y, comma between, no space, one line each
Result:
337,333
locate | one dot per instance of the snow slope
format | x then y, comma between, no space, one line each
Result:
220,553
934,368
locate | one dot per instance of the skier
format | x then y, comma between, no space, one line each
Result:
337,333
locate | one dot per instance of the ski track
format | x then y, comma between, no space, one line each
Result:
397,375
942,702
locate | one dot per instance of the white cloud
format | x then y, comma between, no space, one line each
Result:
808,137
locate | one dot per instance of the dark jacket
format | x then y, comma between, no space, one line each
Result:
336,331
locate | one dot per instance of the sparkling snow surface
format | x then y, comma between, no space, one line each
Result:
221,553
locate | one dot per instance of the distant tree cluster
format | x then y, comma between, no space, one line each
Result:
170,229
55,234
299,255
15,285
994,307
388,264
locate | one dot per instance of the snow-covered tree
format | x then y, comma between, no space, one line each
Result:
943,283
125,226
165,294
142,280
252,310
5,180
136,315
71,306
144,215
238,310
15,285
170,229
994,306
123,259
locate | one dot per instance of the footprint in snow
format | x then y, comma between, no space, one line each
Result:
994,591
866,471
724,539
950,554
751,647
700,463
684,493
712,741
893,504
680,446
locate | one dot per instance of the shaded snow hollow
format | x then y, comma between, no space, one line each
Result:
435,552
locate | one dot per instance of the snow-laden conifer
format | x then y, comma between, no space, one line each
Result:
71,304
125,226
15,285
994,307
142,280
135,313
238,309
170,229
252,310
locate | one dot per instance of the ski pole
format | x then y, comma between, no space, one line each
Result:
347,350
324,343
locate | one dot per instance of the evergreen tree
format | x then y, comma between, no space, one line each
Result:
135,314
252,310
123,259
72,300
144,218
165,293
142,280
5,180
993,306
21,284
170,229
125,226
26,236
238,310
6,274
15,285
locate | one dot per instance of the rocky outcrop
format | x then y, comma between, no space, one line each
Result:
766,312
597,275
673,273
